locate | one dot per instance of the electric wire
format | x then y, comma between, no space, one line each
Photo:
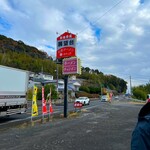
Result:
105,13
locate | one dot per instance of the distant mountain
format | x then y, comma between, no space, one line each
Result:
8,44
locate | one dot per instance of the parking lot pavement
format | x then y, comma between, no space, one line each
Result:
106,127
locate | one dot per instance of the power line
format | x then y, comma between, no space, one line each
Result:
103,14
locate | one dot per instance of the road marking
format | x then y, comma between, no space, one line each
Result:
91,107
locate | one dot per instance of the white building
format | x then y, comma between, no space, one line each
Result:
73,84
43,76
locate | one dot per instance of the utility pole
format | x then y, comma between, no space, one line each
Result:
57,61
57,77
130,86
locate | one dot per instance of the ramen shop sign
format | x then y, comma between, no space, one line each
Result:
66,45
71,66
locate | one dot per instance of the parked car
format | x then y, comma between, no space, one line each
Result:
104,98
83,100
116,97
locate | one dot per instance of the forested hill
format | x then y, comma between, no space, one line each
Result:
8,44
19,55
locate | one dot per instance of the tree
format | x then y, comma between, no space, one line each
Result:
139,94
84,88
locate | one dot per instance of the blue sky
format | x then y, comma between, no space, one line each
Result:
4,25
117,43
142,1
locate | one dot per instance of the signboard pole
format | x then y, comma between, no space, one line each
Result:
65,95
66,48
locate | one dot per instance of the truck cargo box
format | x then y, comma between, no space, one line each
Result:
13,89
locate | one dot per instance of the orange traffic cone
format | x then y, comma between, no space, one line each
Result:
50,108
44,109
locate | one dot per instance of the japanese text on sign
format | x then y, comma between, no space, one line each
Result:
65,43
71,66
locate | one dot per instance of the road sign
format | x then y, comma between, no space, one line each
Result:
78,105
71,66
66,45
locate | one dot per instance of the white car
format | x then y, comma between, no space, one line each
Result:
104,98
116,97
83,100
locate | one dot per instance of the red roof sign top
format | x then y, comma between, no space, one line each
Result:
65,36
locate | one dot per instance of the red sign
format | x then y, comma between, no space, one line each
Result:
71,66
78,105
66,45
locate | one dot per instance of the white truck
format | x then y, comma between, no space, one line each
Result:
13,89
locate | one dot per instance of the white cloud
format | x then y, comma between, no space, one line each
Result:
136,30
4,5
144,14
124,39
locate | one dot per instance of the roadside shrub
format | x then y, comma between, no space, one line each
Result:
29,94
84,88
54,95
139,94
94,90
80,94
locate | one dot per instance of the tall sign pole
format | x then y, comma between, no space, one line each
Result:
65,96
66,49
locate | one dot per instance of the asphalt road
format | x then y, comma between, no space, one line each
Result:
99,126
58,109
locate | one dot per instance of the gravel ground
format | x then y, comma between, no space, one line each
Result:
106,127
